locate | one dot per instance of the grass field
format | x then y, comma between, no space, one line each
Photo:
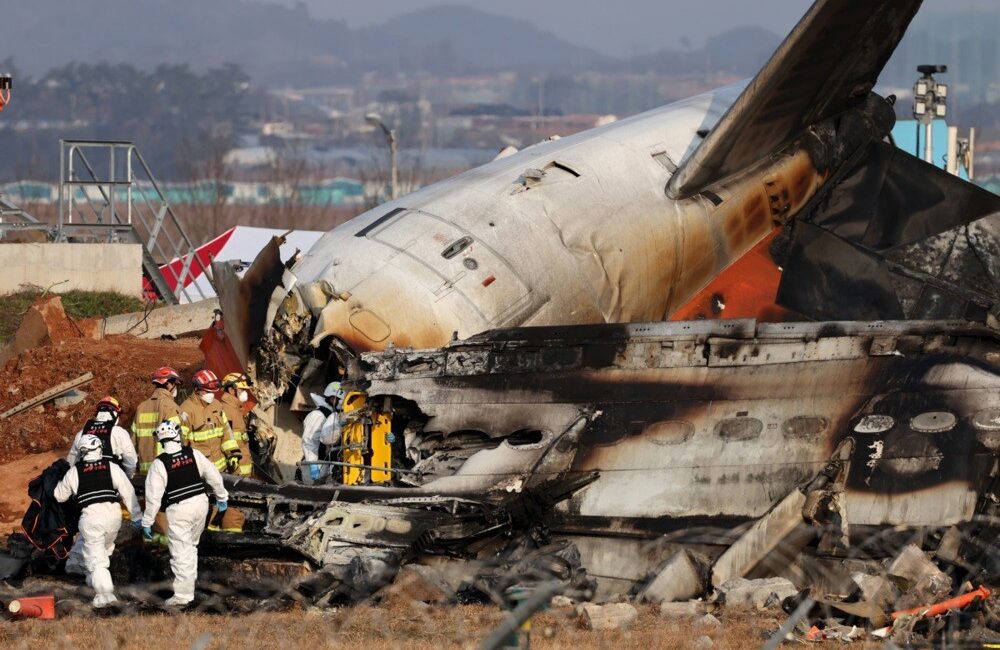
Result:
410,626
78,304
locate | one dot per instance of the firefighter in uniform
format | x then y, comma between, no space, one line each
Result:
204,425
234,400
99,486
176,483
159,407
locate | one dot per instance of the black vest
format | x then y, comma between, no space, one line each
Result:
183,478
95,483
103,432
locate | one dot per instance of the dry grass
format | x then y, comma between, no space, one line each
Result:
371,628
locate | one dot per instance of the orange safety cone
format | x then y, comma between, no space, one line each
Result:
43,607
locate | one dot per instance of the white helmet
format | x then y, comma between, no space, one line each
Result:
333,389
89,444
168,431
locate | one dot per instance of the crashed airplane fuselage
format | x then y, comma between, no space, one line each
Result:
592,429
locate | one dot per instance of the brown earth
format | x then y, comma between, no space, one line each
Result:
377,628
121,367
14,497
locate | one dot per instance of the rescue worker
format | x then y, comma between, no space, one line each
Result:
117,443
116,447
204,425
99,485
235,398
322,426
160,406
176,483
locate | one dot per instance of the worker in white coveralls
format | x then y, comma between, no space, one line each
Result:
323,426
176,482
118,449
99,486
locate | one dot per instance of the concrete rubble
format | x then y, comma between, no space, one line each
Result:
703,642
681,578
690,609
613,616
757,594
167,321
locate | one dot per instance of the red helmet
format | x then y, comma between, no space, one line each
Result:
206,380
109,404
165,375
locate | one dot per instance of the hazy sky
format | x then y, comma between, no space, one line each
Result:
619,27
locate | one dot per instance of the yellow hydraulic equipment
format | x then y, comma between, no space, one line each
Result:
366,442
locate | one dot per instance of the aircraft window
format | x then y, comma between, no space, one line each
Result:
875,424
378,222
934,422
669,432
456,247
804,426
525,438
737,429
987,419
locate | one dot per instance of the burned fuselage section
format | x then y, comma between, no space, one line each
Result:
646,437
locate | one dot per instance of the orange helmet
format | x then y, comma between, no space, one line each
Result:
109,404
165,375
206,380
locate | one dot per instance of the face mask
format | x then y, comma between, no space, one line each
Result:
243,396
208,398
104,416
173,391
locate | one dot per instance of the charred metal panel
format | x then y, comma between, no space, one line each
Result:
691,424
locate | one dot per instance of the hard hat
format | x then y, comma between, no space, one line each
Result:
166,375
206,380
333,389
110,404
90,443
236,380
168,431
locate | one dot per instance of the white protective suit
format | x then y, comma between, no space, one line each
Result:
320,428
185,520
99,525
121,445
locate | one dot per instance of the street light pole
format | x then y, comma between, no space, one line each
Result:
375,119
929,102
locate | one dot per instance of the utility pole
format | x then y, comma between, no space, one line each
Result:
375,120
929,102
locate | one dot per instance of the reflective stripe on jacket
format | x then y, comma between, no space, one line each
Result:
148,416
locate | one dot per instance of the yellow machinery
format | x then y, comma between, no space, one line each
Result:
366,442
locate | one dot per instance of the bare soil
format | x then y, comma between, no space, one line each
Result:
14,497
121,367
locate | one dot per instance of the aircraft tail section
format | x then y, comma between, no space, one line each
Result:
827,65
894,238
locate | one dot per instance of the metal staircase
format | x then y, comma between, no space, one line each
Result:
108,193
12,214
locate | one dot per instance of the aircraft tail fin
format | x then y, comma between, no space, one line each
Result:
827,65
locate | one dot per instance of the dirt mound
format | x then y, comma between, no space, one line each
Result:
121,367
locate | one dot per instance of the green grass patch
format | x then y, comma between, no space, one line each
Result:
78,304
